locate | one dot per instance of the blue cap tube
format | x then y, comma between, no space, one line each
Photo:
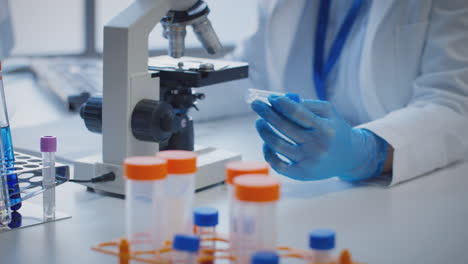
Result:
205,217
322,239
265,257
187,243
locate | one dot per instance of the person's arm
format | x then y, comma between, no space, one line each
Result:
431,131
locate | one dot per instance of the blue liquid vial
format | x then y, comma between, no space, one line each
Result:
8,157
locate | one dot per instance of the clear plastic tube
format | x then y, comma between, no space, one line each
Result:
253,228
145,208
262,95
180,194
144,204
48,183
253,215
48,149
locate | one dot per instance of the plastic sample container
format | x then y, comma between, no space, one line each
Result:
185,249
321,244
145,202
237,168
253,215
265,257
205,220
180,189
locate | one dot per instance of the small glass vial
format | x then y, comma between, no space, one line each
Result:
253,215
265,257
144,202
185,249
180,189
321,244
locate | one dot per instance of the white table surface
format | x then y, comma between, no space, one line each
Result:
420,221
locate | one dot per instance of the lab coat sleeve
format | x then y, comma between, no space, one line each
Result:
228,99
432,131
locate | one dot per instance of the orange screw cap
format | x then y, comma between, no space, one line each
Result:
236,168
257,188
179,161
145,168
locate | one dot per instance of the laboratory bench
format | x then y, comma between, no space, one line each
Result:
420,221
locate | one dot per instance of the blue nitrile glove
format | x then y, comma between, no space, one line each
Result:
319,144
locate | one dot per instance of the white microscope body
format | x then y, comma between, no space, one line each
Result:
126,82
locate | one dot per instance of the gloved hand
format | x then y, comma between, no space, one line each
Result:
316,141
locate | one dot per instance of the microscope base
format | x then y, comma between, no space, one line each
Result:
210,162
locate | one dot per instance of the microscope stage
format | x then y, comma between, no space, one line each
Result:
196,72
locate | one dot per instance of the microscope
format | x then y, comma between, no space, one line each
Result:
146,102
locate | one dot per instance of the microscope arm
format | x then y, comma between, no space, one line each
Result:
125,76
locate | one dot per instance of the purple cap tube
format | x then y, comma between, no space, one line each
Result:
48,144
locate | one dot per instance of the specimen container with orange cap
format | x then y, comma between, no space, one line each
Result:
242,167
180,189
144,202
253,215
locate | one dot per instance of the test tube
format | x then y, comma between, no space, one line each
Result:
205,220
144,202
7,148
253,219
262,95
180,189
185,249
48,149
265,257
321,244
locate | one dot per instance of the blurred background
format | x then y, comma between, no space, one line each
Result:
75,27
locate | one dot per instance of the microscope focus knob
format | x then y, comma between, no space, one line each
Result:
91,112
154,121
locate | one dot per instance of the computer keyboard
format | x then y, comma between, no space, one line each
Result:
73,80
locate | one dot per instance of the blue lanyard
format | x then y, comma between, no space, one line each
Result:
322,69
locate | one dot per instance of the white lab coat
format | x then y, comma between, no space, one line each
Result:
413,76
